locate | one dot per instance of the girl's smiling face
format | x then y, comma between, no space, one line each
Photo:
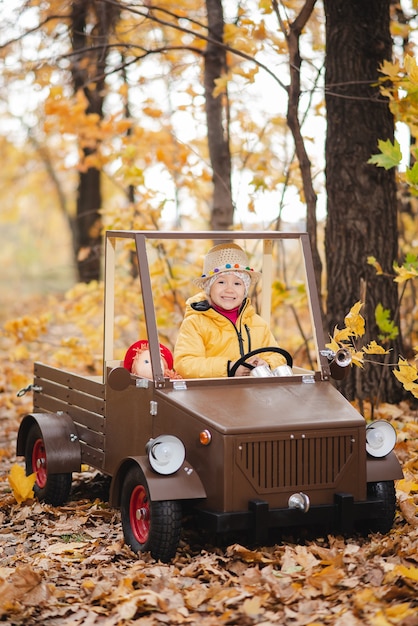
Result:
228,291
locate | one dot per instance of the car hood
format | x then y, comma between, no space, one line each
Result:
234,409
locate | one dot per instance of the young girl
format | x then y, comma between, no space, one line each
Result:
220,324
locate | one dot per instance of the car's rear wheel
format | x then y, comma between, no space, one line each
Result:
51,488
149,526
385,491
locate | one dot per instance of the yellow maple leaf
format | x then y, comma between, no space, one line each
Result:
407,373
333,344
221,84
354,321
390,69
407,572
341,334
404,274
21,484
406,485
411,68
357,357
374,348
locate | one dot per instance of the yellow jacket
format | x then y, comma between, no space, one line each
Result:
208,343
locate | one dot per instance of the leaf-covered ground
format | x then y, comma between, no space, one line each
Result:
69,565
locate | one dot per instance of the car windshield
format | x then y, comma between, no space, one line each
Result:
281,296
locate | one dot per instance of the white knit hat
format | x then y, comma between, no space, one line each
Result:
225,257
244,276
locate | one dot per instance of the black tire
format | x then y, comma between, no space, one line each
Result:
50,488
384,491
149,526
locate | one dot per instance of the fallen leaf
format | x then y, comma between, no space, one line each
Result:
252,606
21,484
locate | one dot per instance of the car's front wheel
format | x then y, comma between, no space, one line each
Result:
51,488
149,526
385,491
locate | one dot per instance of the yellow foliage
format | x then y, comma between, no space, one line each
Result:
371,260
404,273
266,6
333,344
248,73
374,348
153,112
354,321
221,85
345,337
407,572
357,357
407,374
390,69
21,484
19,353
27,328
407,485
411,68
341,335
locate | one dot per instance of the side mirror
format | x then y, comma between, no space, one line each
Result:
339,362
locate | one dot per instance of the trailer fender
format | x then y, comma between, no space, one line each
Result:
62,447
384,468
185,484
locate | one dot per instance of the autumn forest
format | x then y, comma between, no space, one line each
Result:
241,115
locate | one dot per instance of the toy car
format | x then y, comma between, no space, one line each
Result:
255,453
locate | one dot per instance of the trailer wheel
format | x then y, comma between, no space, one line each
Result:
51,488
385,491
149,526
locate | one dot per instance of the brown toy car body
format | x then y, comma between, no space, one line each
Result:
252,453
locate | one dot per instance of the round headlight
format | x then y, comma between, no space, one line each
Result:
166,454
380,438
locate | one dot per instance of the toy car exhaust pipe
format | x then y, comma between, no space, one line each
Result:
299,501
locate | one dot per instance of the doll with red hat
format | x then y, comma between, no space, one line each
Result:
137,360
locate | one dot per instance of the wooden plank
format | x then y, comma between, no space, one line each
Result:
90,385
53,405
91,456
71,396
92,438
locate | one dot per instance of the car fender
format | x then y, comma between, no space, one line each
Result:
384,468
62,447
184,484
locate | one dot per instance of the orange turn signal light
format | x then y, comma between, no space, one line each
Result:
205,437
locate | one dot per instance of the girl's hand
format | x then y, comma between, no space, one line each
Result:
245,371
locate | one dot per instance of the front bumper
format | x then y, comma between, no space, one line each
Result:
342,515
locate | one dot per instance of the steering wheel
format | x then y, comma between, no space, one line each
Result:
241,360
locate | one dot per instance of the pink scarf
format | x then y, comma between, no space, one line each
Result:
231,315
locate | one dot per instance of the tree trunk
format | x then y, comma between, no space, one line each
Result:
362,206
222,212
91,24
293,32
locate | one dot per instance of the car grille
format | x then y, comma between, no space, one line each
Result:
296,461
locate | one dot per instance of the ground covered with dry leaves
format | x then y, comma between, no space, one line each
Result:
69,565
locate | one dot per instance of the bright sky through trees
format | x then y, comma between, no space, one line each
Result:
21,100
264,96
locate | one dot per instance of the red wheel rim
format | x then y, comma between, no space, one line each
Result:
139,514
39,463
